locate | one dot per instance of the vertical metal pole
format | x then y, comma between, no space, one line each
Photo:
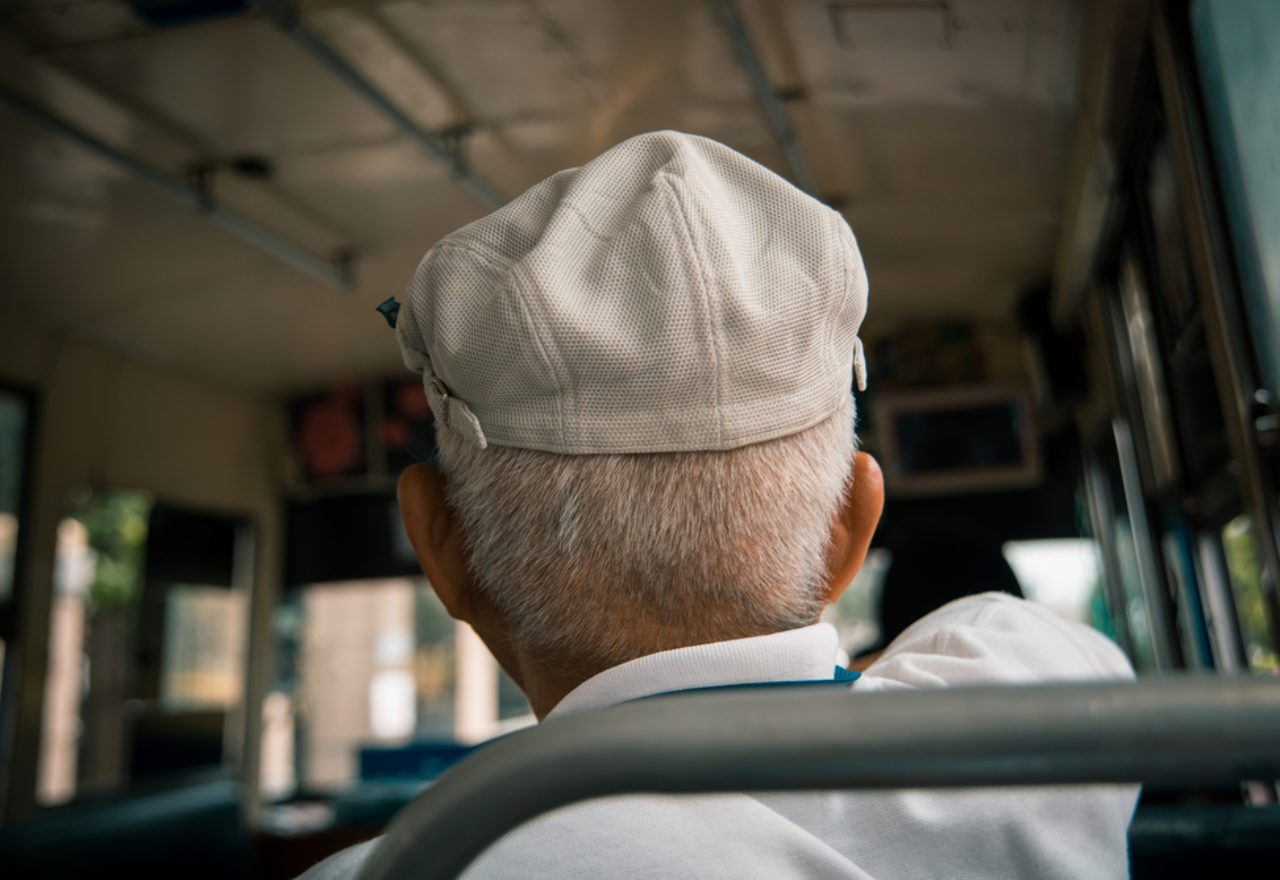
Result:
1153,591
1101,514
1223,620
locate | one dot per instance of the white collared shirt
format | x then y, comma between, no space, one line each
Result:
1042,832
807,654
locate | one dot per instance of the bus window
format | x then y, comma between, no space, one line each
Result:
1240,74
1137,618
93,624
204,643
1244,569
854,614
1065,575
380,677
146,645
1112,527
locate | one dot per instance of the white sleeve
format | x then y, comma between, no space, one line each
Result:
994,638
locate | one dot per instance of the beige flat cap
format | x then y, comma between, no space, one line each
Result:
670,295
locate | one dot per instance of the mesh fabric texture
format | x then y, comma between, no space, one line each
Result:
670,295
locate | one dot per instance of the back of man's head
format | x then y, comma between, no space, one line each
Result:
640,371
601,558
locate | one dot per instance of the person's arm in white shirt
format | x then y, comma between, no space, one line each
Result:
994,638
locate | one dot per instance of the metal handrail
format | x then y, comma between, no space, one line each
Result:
331,271
1188,730
772,106
285,15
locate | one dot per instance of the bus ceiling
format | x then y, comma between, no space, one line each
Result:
967,145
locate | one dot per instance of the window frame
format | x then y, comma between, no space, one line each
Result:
12,608
1216,273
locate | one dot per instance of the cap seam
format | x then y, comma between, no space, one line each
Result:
514,267
426,369
581,216
700,270
763,436
833,311
545,349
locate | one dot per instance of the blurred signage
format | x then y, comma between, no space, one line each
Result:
361,433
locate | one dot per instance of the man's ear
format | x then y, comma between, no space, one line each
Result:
854,525
436,536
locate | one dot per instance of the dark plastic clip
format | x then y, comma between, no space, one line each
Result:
390,310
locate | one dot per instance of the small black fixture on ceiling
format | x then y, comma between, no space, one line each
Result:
174,13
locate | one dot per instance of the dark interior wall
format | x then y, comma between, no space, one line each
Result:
1048,510
346,537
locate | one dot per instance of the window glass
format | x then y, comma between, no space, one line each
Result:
1063,574
855,613
13,432
204,643
1244,567
1240,74
93,627
1135,608
144,668
369,668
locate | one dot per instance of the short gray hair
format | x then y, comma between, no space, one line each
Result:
603,558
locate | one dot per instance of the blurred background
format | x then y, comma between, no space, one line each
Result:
212,629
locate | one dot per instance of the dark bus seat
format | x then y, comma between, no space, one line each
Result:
1196,840
192,828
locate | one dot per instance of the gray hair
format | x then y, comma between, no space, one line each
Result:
603,558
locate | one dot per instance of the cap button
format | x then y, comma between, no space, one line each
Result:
859,364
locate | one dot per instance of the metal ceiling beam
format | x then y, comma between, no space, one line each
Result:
775,112
286,18
333,272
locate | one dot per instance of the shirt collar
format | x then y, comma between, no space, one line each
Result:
805,654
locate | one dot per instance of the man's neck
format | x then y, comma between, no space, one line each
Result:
545,693
543,684
546,683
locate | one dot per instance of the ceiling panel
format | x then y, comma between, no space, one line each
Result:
239,86
79,238
942,135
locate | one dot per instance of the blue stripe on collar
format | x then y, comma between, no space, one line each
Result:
839,676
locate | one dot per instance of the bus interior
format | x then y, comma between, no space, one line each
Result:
220,657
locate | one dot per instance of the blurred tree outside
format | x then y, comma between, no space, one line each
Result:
1239,543
115,522
115,526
